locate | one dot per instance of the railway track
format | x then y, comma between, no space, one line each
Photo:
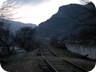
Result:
65,65
49,65
69,62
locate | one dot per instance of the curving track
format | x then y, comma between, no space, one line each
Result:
65,66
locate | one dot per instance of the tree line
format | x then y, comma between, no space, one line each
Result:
23,38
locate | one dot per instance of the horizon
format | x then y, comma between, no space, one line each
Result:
39,11
42,11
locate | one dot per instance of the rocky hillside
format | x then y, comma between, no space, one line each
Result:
70,19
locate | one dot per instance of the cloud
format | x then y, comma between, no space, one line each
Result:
31,1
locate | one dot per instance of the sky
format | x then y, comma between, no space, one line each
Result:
37,11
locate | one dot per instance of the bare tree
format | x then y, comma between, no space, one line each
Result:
25,38
84,1
7,39
7,8
6,13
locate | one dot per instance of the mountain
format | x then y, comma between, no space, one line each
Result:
70,19
14,25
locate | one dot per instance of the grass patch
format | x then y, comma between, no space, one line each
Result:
19,58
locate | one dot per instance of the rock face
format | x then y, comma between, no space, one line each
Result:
66,19
73,22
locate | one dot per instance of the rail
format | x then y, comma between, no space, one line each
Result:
69,62
50,66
